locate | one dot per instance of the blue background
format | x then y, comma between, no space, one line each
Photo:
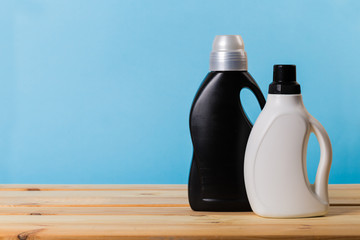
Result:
100,91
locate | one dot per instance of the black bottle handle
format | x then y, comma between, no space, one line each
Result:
255,89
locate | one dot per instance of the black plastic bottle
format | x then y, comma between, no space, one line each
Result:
220,129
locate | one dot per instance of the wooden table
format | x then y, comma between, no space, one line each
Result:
155,212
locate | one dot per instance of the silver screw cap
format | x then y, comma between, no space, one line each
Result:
228,54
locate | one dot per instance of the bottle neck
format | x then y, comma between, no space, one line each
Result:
228,61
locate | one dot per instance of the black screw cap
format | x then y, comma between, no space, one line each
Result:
284,81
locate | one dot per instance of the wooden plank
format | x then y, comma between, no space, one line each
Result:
135,198
99,211
344,194
128,187
349,210
341,222
92,187
157,195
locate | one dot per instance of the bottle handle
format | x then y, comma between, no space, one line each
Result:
255,89
323,171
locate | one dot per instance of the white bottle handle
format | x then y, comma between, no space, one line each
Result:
323,171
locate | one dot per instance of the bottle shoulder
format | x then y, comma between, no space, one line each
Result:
238,75
219,95
277,110
269,118
225,81
222,85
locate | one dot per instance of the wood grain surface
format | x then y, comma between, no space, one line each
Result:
156,212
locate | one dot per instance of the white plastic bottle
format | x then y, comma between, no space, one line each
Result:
275,172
